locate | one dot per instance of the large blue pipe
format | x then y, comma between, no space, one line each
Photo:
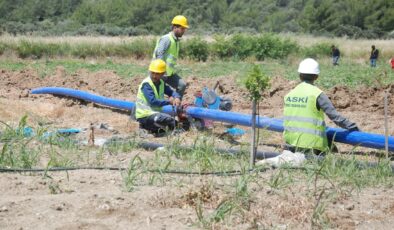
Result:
120,104
369,140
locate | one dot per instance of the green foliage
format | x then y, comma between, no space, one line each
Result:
196,49
16,151
27,49
256,83
237,47
135,17
133,173
138,48
272,46
221,47
243,46
3,48
317,50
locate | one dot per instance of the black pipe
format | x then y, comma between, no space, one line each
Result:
233,152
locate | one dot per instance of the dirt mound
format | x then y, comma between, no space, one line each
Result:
368,99
14,85
356,104
106,83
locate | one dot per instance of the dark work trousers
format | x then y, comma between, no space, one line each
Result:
176,82
157,123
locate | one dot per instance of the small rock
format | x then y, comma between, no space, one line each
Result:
24,93
350,207
4,209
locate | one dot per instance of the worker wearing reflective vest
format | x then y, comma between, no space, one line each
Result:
304,109
167,49
150,100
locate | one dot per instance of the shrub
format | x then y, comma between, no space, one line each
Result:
271,46
222,48
3,47
316,50
27,49
196,49
243,45
142,48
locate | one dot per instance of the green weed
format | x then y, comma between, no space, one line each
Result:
133,173
280,180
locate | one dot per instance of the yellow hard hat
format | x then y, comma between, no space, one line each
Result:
157,66
180,20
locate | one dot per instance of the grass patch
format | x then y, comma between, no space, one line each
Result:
71,66
321,182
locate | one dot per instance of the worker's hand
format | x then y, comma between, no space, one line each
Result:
177,102
171,99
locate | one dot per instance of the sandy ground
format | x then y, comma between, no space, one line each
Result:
88,199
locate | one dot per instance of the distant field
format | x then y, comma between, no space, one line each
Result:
349,73
141,46
130,56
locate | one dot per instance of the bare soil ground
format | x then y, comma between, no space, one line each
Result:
88,199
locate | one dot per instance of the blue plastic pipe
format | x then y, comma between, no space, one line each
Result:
364,139
120,104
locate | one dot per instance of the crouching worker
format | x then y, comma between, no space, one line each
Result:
150,100
304,126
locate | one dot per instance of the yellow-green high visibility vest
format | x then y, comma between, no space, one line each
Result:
303,123
143,108
171,55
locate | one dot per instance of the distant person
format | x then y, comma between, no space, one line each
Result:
167,49
335,55
374,56
392,63
150,100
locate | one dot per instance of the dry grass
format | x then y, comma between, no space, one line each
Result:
349,47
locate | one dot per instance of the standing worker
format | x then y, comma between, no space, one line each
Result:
167,49
374,56
335,55
392,63
304,109
150,100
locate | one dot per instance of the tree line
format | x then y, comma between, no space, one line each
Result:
352,18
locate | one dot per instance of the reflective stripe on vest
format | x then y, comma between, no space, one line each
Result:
171,55
143,108
313,121
304,125
306,130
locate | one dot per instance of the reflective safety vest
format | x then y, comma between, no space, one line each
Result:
304,125
143,108
171,55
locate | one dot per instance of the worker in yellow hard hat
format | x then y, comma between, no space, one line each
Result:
150,100
167,49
